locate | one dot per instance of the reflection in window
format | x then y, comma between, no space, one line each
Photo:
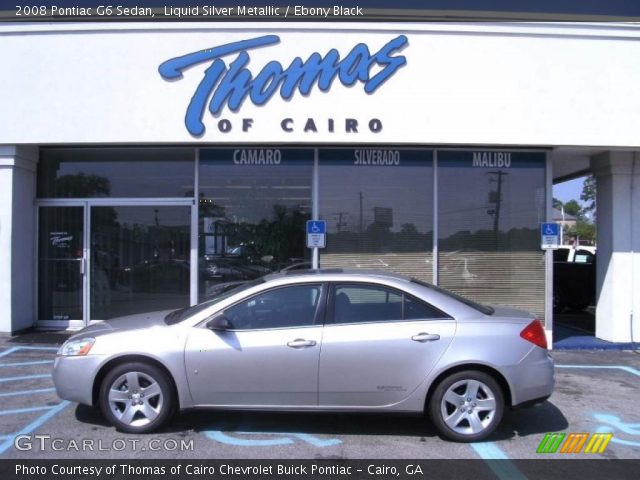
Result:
490,208
378,204
116,172
253,207
286,307
139,259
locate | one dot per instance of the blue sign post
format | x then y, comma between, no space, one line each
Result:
316,233
549,236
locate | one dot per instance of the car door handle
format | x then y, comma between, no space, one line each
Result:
425,337
301,343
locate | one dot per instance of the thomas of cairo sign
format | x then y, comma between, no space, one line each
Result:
229,83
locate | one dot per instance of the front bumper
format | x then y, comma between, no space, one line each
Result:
74,376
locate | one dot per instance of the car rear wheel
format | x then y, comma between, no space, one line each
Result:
467,406
136,397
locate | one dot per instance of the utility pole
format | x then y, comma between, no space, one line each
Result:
360,194
340,223
498,202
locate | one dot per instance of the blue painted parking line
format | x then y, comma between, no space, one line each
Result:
281,438
7,441
27,392
24,364
18,411
631,370
9,351
37,423
25,347
497,461
221,437
24,377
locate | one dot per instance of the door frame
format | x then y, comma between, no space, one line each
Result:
87,204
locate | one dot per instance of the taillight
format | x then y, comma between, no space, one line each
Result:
534,333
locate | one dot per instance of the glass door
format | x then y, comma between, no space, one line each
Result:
61,266
140,259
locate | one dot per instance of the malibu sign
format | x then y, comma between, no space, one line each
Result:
231,84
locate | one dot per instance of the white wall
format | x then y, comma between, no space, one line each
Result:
500,84
17,240
618,263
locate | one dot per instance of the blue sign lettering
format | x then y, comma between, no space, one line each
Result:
231,84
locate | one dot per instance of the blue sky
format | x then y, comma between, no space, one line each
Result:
570,190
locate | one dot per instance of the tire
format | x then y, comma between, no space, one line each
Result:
467,406
139,409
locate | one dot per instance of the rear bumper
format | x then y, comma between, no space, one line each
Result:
532,380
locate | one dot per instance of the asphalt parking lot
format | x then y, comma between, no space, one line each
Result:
595,392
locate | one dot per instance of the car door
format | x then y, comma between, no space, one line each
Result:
268,356
378,346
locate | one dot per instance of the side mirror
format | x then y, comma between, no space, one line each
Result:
219,323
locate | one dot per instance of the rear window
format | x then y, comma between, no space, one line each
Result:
484,309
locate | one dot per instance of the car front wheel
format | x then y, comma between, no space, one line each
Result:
136,397
467,406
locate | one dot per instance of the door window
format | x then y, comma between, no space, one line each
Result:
285,307
367,303
60,263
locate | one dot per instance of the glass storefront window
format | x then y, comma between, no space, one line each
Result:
253,206
116,172
139,259
378,204
490,206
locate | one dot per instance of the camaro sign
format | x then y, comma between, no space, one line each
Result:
227,80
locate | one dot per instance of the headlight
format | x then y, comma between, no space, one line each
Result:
76,347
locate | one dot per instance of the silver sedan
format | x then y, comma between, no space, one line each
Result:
341,341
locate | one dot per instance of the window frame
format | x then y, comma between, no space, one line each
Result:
330,308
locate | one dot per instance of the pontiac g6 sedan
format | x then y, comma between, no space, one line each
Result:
323,340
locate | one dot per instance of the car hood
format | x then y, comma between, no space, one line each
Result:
130,322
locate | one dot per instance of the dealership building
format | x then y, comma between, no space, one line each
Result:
145,166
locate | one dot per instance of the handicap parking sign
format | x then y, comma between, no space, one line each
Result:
316,233
549,236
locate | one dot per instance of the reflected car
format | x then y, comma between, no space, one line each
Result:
323,340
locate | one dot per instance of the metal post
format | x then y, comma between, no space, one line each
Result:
315,205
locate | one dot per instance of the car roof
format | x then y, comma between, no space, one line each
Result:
337,272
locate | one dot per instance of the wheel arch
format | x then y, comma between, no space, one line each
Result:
494,373
97,382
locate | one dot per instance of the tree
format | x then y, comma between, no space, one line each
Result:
557,204
572,207
583,231
588,194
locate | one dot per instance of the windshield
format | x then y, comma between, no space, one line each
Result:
487,310
182,314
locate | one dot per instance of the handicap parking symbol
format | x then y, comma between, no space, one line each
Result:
615,424
240,439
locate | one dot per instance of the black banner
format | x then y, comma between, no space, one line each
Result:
379,469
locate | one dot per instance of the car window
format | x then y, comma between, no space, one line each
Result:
182,314
368,303
284,307
583,256
561,255
414,309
